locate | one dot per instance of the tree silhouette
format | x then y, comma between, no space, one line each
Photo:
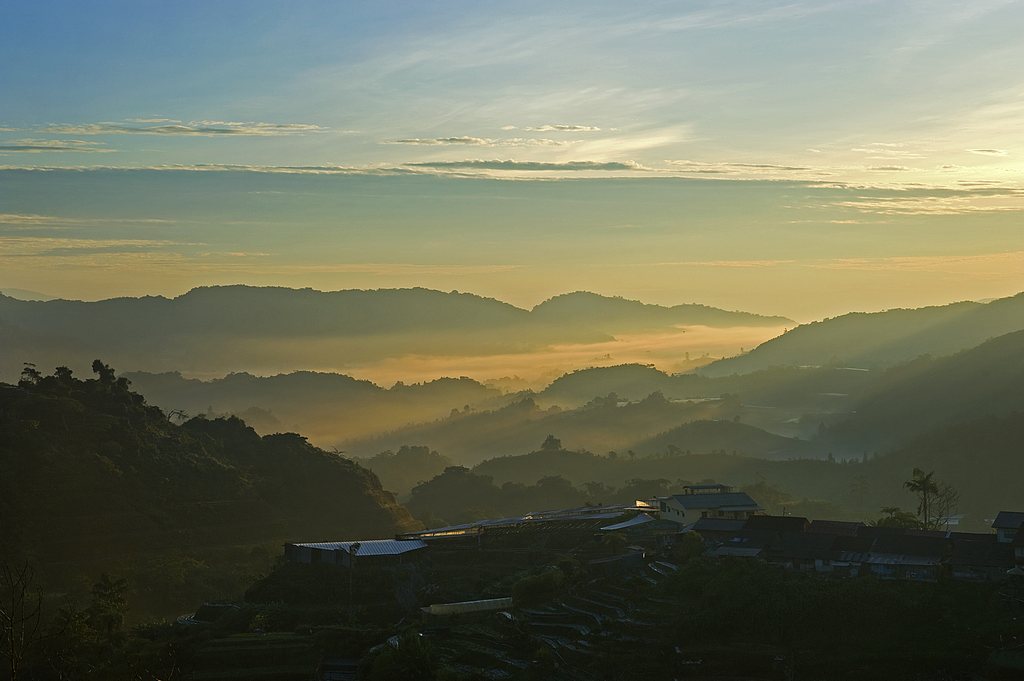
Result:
924,486
551,444
20,615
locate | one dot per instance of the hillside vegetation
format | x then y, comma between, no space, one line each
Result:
97,480
873,340
328,408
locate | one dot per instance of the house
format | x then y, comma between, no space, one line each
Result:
835,527
375,551
717,529
645,529
776,523
852,549
979,560
703,501
897,555
1007,524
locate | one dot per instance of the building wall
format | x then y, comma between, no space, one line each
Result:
674,511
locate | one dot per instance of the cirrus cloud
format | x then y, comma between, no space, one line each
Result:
527,165
555,127
164,126
466,140
32,146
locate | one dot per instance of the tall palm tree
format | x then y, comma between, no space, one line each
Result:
925,488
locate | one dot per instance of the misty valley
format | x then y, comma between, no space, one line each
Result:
214,527
511,341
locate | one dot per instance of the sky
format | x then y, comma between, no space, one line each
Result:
799,158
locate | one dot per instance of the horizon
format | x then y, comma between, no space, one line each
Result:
801,159
26,295
284,283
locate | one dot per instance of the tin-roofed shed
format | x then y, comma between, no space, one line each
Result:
341,552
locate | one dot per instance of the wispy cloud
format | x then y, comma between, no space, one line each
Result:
154,126
528,165
32,146
953,264
31,220
740,264
888,150
60,246
225,168
480,142
978,200
737,168
889,168
989,152
555,127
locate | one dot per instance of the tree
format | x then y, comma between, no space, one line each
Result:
551,444
926,488
858,489
103,371
687,547
944,504
109,602
30,376
20,615
410,659
897,517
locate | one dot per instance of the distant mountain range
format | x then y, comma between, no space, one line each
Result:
23,294
602,425
267,330
329,408
880,339
621,315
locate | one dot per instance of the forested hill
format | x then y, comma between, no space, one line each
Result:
220,329
930,393
92,474
874,340
326,407
620,314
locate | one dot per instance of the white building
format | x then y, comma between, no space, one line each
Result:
703,501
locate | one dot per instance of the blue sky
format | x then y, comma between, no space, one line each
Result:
803,132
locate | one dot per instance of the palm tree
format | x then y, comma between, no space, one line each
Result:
925,488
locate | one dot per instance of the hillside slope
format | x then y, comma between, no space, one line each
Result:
602,425
705,437
93,476
929,393
326,407
873,340
620,314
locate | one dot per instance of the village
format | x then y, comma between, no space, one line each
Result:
621,556
728,522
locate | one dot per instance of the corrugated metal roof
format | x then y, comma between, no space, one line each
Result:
1008,520
635,521
737,551
586,515
718,525
369,547
733,500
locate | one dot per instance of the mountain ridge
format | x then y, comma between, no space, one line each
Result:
878,339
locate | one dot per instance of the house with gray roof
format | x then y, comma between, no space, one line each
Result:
1007,524
704,501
